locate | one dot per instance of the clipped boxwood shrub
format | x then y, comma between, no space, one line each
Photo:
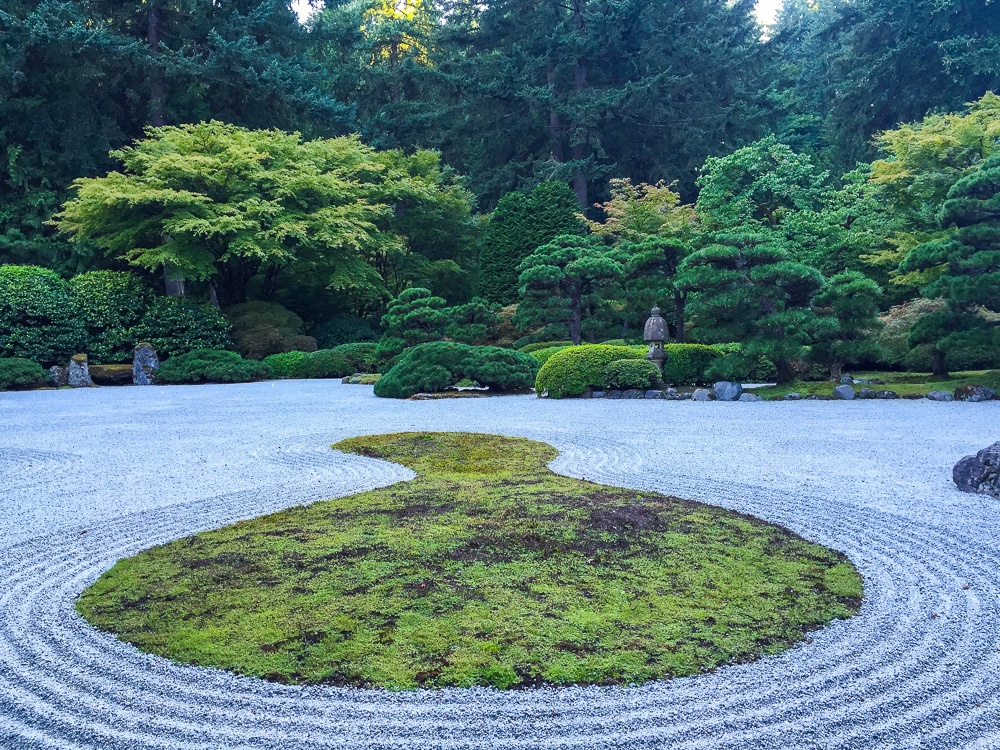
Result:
178,325
542,355
361,355
538,345
434,366
260,329
18,372
286,364
687,363
631,373
111,303
326,363
574,370
211,366
38,320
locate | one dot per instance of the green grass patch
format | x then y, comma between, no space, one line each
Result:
487,569
903,383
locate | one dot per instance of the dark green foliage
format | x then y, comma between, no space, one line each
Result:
286,364
344,329
687,363
574,370
111,303
360,355
518,226
542,355
414,317
486,569
326,363
631,373
211,366
17,373
750,290
848,305
177,325
475,322
434,366
967,264
260,329
651,266
529,348
38,319
565,285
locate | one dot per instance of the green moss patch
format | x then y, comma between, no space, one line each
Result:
487,569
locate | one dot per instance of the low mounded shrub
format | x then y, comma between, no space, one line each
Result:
542,355
631,373
111,303
178,325
326,363
574,370
211,366
529,348
733,365
18,372
286,364
434,366
687,363
38,319
361,355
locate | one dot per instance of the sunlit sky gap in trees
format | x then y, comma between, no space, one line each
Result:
766,10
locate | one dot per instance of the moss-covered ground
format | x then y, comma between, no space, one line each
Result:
903,383
486,569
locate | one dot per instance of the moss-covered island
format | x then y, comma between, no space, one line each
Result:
486,569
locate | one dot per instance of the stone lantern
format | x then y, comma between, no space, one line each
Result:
655,333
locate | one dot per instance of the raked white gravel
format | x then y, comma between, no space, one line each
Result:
90,476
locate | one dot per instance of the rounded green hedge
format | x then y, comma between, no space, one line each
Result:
38,319
17,373
631,373
211,366
361,355
286,364
542,355
178,325
687,363
432,367
538,345
574,370
111,303
326,363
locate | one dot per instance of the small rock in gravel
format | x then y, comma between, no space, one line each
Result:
597,394
702,394
726,390
793,397
58,376
865,393
614,394
654,394
749,398
78,374
843,393
980,473
145,363
941,396
671,394
632,393
974,393
886,394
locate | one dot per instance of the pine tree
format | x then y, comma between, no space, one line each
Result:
747,289
967,265
848,305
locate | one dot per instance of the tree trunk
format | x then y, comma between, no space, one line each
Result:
157,84
680,299
785,374
555,123
173,282
836,370
579,84
939,366
576,322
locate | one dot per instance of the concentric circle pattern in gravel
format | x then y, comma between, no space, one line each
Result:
87,477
